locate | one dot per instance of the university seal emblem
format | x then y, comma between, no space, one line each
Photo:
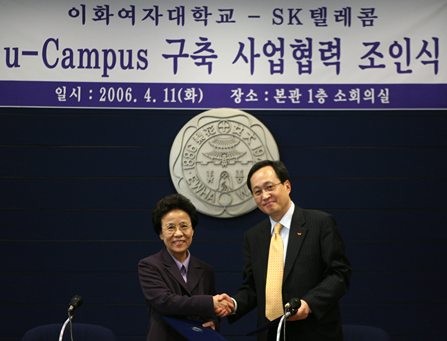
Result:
211,157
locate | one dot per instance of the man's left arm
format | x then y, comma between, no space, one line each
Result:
337,274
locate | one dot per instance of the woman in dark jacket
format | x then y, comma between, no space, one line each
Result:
175,283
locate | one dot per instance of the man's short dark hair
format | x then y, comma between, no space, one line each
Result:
173,202
279,168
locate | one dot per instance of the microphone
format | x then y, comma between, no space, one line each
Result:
294,303
292,306
75,302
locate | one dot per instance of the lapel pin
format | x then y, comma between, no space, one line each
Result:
299,233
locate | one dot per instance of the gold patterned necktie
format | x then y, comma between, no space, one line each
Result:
275,270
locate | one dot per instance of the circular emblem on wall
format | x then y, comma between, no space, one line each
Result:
211,157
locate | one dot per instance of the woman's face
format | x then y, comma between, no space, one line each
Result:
176,233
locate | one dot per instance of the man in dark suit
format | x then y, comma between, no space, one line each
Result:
315,268
175,283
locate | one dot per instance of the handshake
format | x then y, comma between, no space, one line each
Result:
223,305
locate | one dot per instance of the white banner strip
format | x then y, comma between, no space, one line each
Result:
258,51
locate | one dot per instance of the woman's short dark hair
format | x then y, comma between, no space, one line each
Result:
173,202
279,168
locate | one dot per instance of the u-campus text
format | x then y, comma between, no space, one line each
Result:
307,54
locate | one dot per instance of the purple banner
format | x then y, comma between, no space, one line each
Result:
242,96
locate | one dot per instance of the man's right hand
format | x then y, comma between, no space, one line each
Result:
223,305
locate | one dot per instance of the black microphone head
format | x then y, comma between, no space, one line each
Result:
75,302
293,304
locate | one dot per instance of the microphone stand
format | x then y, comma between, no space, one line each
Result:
283,322
70,318
278,331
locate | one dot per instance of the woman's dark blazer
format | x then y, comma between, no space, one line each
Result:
167,294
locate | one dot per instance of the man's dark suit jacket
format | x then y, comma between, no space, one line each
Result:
167,294
316,270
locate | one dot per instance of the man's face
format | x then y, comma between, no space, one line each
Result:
270,195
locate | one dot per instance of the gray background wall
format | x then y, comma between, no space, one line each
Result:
77,189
